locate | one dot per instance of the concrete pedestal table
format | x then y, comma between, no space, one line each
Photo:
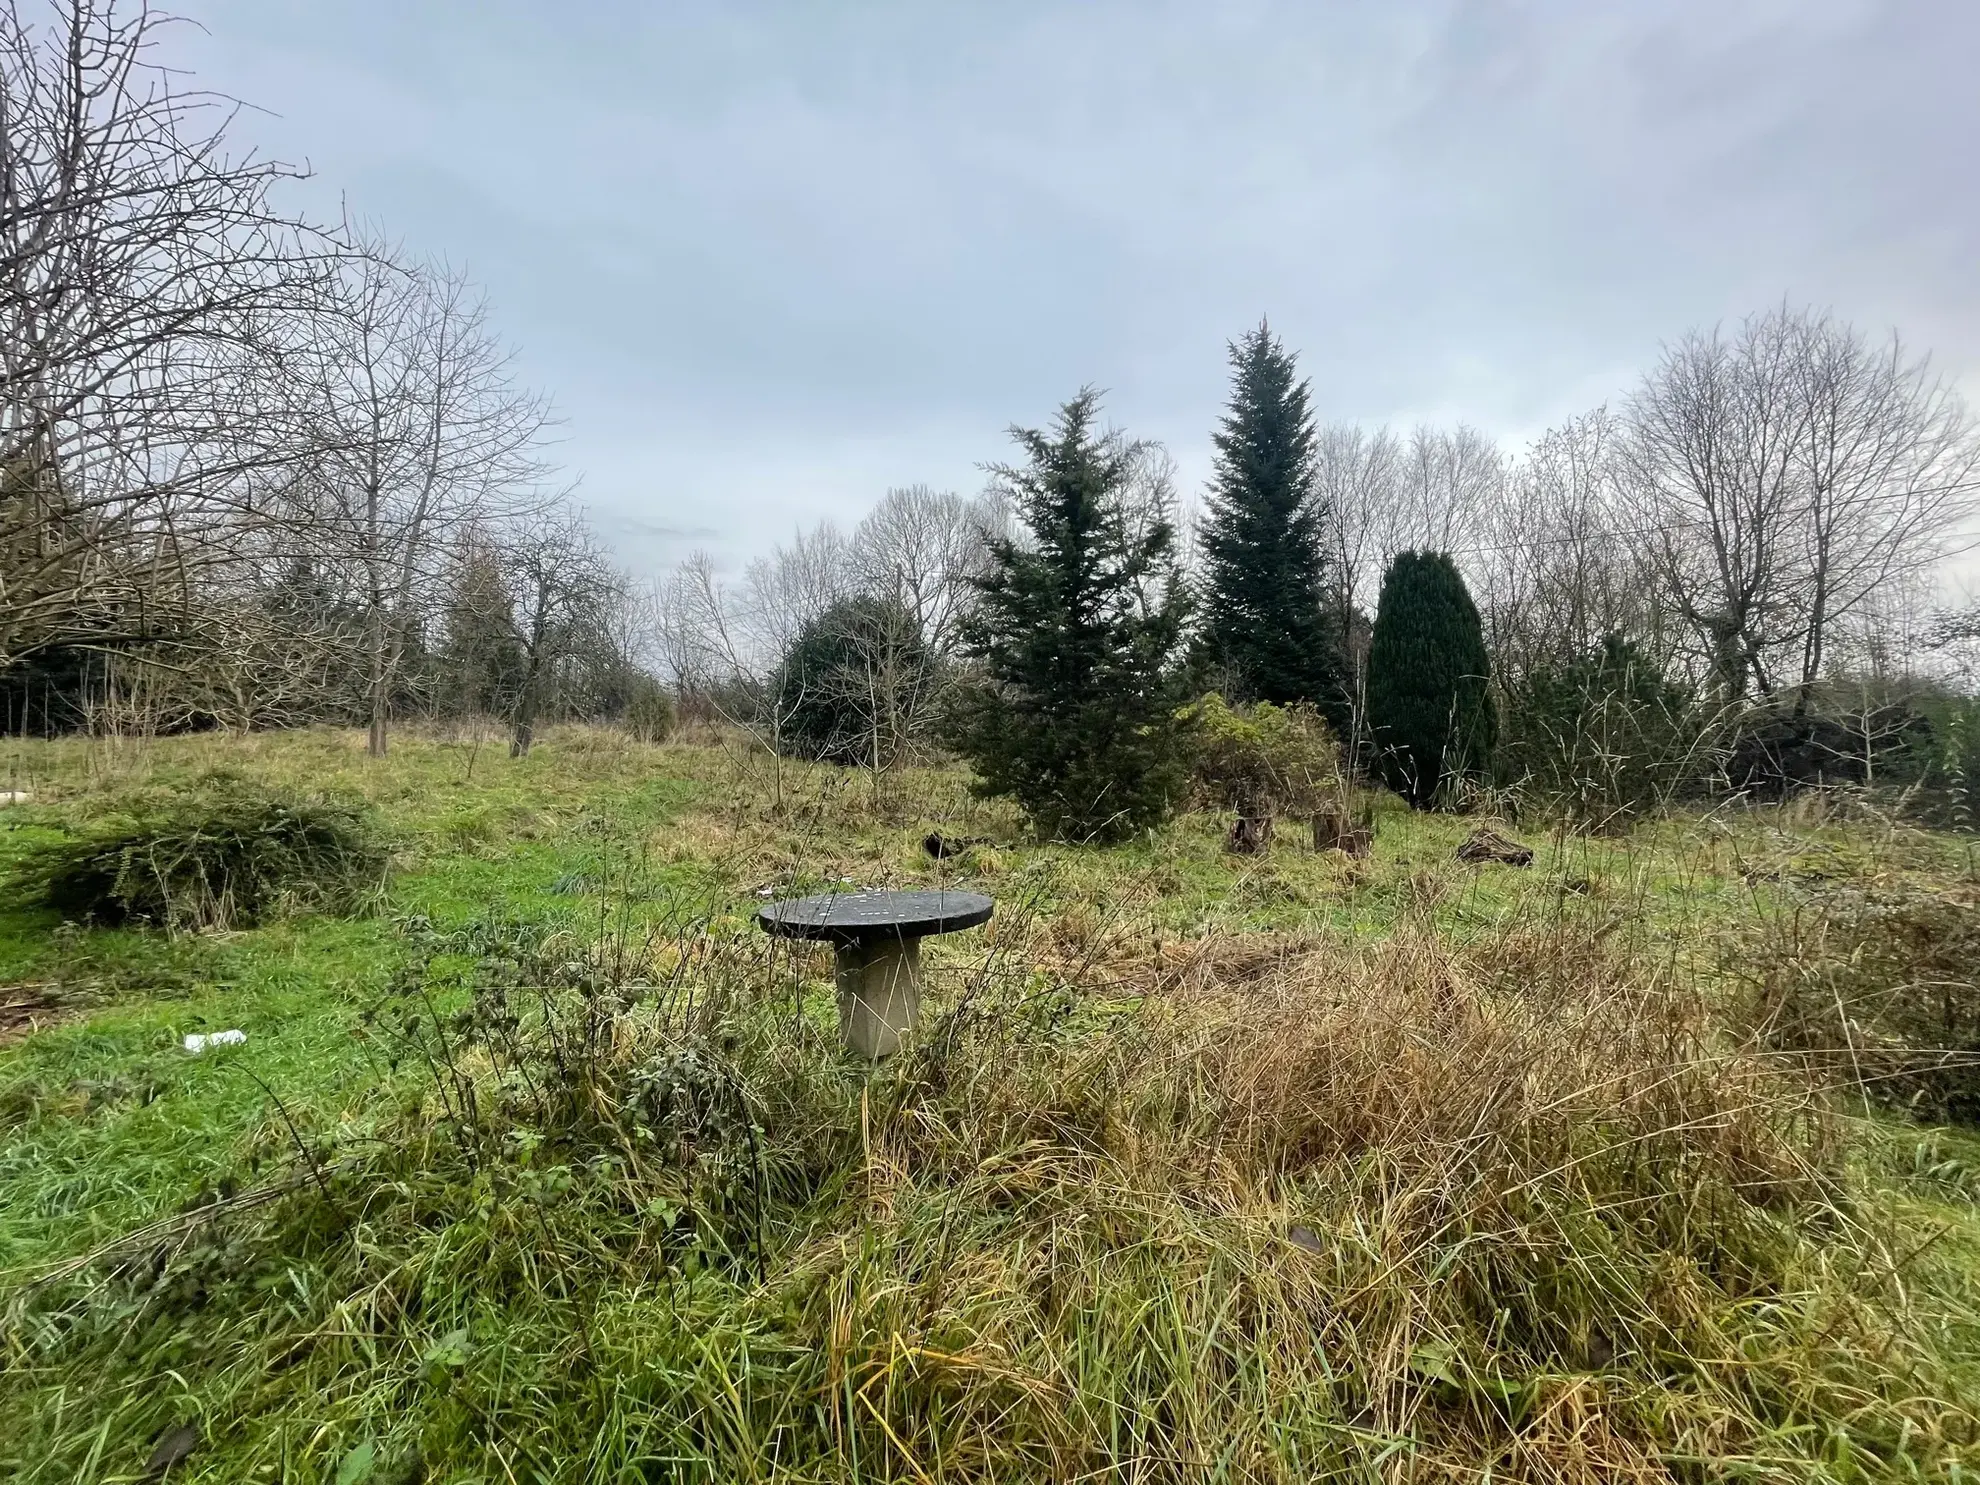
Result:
878,938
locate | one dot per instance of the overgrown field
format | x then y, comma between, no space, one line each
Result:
539,1163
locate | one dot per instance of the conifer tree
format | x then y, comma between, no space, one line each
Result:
1076,630
1267,591
483,660
1429,710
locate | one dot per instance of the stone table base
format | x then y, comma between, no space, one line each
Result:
879,993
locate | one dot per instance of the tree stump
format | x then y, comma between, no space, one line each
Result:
1334,831
1251,835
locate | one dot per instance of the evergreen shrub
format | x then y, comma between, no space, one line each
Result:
1262,760
1075,640
852,684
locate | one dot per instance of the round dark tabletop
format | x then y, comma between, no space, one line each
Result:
859,917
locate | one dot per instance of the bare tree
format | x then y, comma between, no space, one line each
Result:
141,264
1952,638
1561,567
562,590
1791,472
1887,462
1885,642
258,665
722,644
1438,490
416,430
873,609
1451,478
1714,435
858,687
787,590
1148,499
919,548
680,643
1360,478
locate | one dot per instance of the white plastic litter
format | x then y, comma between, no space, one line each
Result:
14,796
198,1042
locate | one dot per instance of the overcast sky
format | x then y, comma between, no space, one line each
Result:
770,259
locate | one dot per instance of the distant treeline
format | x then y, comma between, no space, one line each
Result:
260,471
1727,583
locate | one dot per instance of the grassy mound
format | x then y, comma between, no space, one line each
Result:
225,853
1289,1210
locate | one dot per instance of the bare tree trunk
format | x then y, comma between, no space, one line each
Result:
524,734
376,739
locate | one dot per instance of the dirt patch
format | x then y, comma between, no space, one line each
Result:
26,1009
1233,959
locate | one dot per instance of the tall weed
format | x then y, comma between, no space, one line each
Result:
1282,1210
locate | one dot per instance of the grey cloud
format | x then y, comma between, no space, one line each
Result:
772,258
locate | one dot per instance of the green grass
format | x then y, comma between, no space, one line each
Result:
1211,1168
107,1123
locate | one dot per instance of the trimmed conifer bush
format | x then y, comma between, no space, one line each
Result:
853,684
1430,709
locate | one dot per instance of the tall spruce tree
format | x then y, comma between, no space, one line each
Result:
1268,596
1430,711
1077,631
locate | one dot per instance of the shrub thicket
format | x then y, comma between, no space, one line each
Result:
650,712
1953,783
1780,752
1262,761
226,853
1430,710
1603,737
854,684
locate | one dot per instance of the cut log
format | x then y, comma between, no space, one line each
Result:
1486,844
